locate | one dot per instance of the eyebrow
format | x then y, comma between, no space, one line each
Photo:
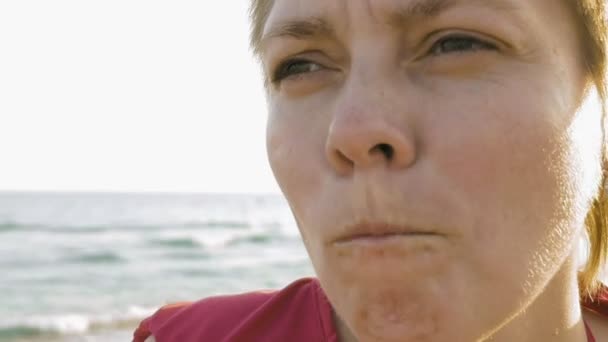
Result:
318,26
305,28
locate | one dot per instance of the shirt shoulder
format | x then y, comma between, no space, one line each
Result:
299,309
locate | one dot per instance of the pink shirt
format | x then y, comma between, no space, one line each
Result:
298,313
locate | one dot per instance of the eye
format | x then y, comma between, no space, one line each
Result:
460,44
294,67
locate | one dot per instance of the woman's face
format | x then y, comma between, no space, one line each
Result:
449,131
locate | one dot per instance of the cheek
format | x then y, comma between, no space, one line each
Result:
513,159
494,153
295,141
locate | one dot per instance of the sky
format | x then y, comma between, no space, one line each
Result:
130,95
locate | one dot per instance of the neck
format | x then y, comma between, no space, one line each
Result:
555,315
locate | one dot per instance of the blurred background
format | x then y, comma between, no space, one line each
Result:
133,170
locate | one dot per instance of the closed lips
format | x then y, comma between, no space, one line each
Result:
378,230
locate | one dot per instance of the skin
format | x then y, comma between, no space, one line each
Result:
488,149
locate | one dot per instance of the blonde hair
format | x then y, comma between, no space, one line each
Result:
591,17
592,22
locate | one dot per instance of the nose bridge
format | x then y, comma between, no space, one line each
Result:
368,86
370,59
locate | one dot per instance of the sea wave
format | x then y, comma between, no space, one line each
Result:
259,238
185,240
177,242
72,324
103,257
10,226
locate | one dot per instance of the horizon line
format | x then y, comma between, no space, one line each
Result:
135,192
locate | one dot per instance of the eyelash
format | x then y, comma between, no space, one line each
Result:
476,44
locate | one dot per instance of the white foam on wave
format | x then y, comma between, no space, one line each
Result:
76,323
139,312
213,240
65,324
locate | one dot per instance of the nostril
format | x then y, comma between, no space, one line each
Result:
386,149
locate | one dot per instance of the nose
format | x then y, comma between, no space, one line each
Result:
366,134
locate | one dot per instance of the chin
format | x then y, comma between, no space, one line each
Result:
412,305
403,322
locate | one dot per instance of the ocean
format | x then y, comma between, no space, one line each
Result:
89,266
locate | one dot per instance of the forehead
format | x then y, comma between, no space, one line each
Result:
343,9
325,17
372,5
